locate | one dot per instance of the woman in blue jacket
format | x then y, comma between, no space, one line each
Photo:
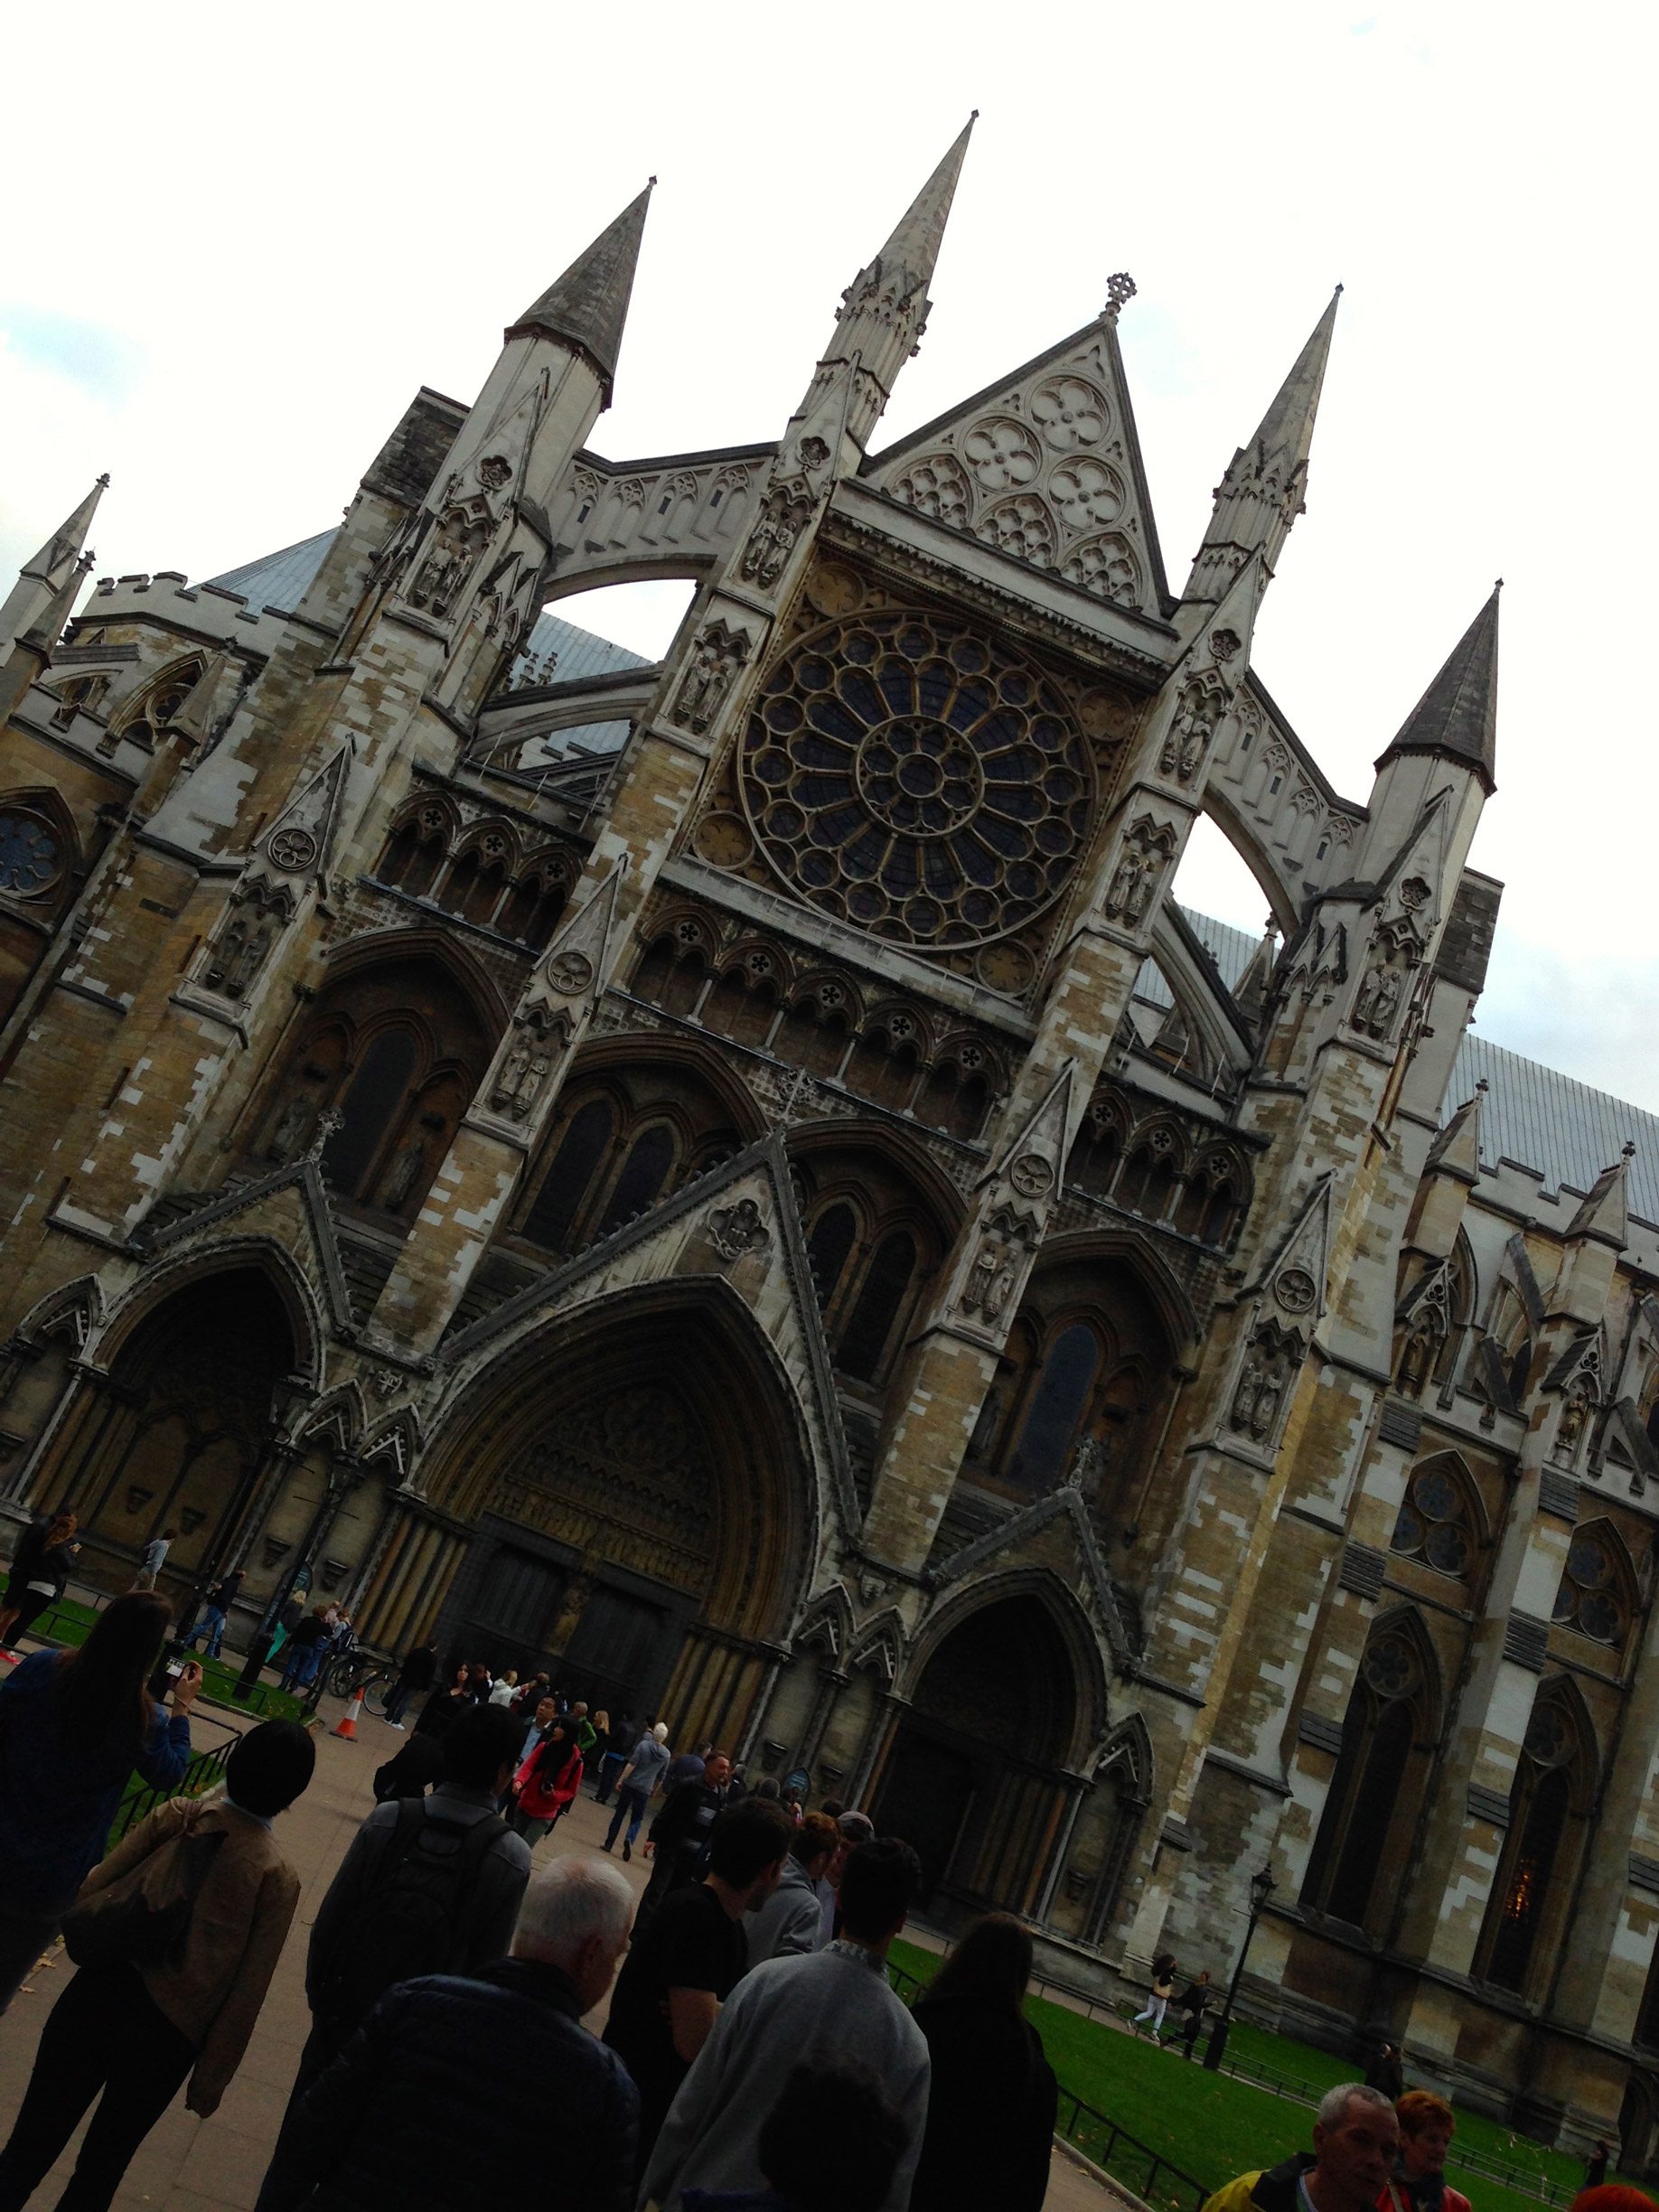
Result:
73,1726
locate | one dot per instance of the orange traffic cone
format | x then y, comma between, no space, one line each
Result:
346,1725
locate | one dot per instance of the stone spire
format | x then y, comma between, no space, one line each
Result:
1456,1151
30,652
1261,494
40,579
1456,717
1605,1215
884,309
586,307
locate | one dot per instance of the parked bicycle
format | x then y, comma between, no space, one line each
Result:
370,1671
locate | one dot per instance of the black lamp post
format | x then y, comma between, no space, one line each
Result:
1261,1889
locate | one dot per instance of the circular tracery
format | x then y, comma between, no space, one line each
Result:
908,776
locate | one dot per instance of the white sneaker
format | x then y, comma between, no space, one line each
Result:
397,1724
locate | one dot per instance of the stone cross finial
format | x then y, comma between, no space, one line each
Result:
328,1121
1119,290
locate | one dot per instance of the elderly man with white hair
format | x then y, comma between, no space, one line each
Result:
469,2090
1355,2136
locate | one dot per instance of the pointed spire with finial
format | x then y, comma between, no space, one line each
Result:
1456,1151
1249,994
31,654
1605,1215
1456,717
39,581
587,306
884,309
51,564
1262,492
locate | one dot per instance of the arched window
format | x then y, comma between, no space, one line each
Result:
1057,1406
374,1102
865,1338
565,1185
1434,1523
828,1247
146,724
1529,1900
1590,1599
1097,1154
1381,1771
643,1174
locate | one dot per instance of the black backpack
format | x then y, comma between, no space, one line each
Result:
417,1918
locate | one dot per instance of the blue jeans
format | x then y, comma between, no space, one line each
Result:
302,1666
213,1626
630,1807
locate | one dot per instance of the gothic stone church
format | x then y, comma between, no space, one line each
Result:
734,1175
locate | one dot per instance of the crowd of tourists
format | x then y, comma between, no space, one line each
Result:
754,2058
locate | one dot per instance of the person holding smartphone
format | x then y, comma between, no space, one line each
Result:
73,1726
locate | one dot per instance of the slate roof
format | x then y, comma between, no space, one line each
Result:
588,305
1560,1130
278,580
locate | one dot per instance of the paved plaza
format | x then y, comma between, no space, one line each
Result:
192,2165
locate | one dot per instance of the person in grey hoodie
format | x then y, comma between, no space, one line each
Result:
635,1784
791,1922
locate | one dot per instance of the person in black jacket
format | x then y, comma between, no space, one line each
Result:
482,2090
41,1567
987,2057
416,1676
679,1833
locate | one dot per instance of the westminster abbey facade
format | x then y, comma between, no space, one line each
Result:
734,1176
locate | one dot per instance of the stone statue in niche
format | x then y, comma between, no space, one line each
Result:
241,952
1261,1392
782,516
523,1075
1569,1428
1414,1363
407,1161
1379,999
288,1136
720,654
990,1281
1190,733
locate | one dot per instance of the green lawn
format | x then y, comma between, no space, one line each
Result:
1213,2126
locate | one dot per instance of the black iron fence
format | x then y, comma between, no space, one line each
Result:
205,1771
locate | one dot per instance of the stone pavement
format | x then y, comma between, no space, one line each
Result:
192,2165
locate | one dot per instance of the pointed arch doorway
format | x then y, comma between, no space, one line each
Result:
972,1779
640,1505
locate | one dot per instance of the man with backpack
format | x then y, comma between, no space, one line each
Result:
430,1884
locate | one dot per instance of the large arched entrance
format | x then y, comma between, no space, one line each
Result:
641,1510
972,1779
176,1434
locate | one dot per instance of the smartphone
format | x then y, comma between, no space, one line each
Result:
176,1667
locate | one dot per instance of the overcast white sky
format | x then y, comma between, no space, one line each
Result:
241,240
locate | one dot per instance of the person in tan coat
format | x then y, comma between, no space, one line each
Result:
134,2031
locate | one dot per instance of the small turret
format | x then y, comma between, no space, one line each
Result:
1261,494
31,655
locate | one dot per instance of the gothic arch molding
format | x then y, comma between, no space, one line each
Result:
699,1339
1140,1254
1077,1634
609,1056
225,1256
375,947
908,1158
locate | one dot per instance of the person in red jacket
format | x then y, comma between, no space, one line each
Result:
1419,2181
546,1782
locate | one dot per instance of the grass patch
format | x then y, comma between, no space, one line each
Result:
1213,2126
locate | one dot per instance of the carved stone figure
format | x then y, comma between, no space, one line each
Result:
782,516
1190,733
407,1161
719,655
979,1291
289,1133
1090,1459
1125,884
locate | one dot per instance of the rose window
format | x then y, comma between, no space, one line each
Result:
30,858
1389,1666
907,776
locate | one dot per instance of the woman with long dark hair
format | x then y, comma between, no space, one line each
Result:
41,1567
991,2097
73,1726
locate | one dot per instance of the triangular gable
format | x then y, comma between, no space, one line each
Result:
1045,467
1297,1268
289,1205
737,1224
1067,1503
